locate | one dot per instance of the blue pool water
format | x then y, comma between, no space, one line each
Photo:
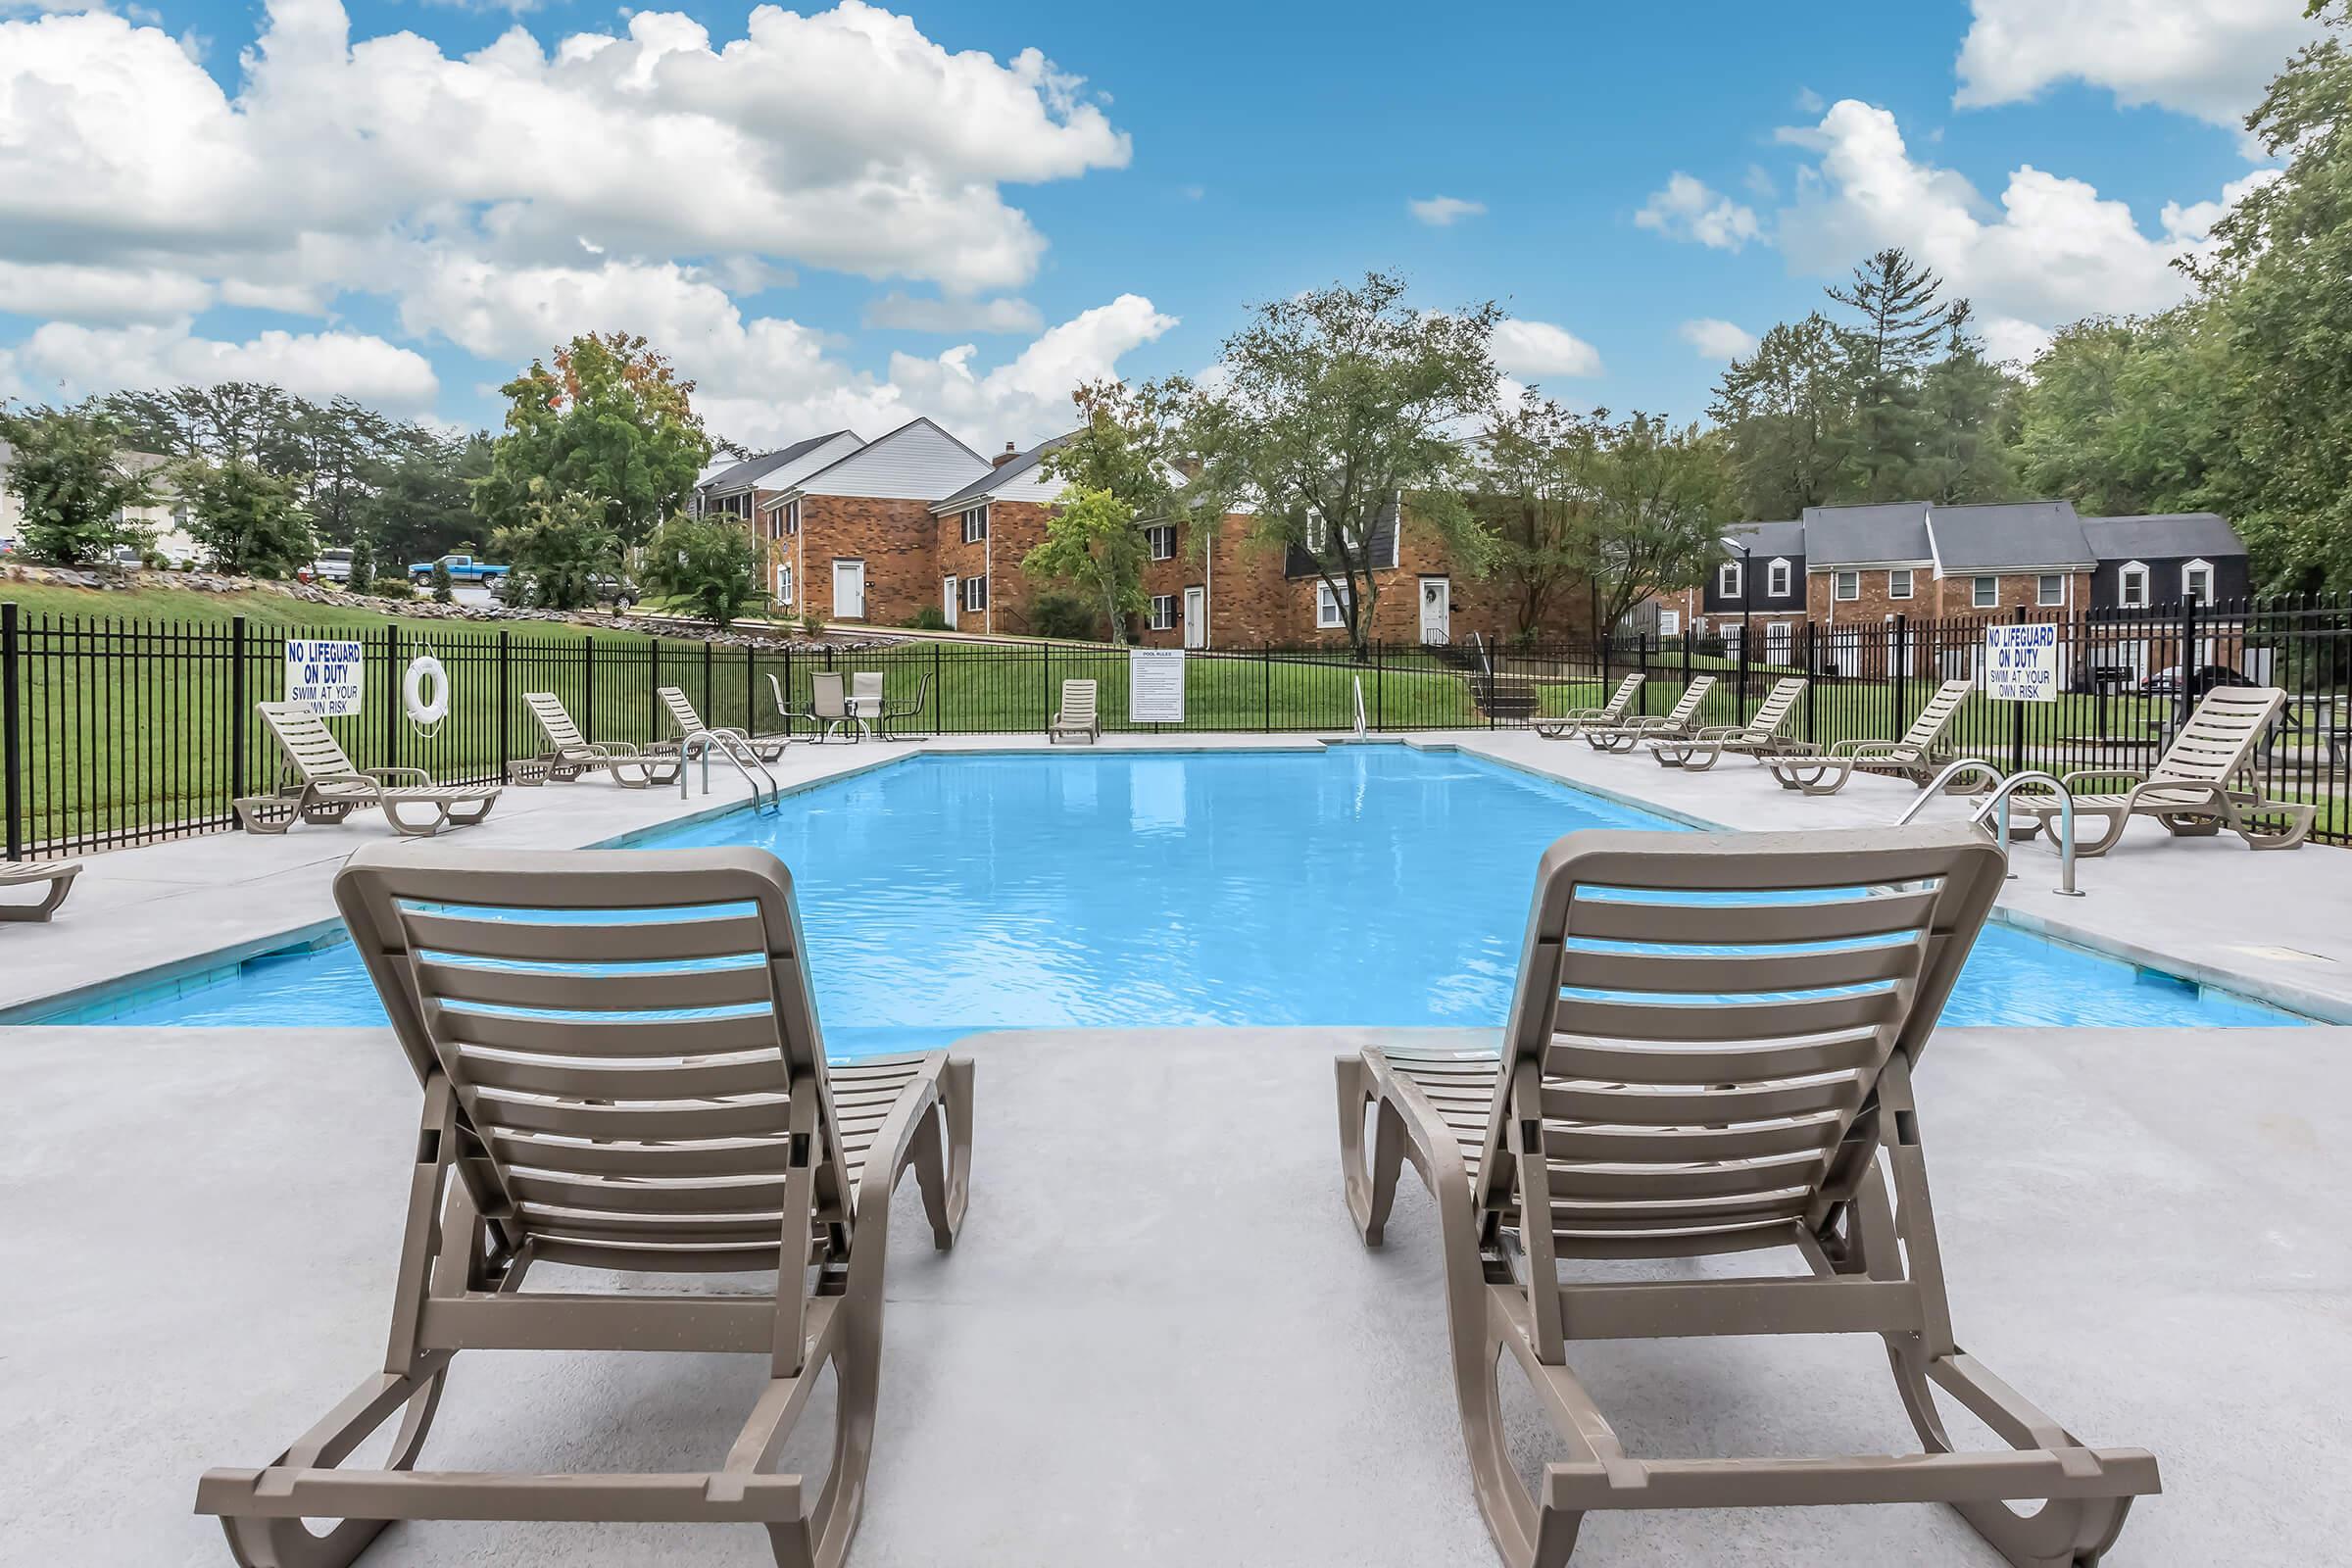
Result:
1362,885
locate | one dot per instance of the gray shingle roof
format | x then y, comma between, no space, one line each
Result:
1767,540
749,472
2155,538
2009,537
988,482
1847,536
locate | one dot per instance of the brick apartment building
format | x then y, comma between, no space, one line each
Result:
876,531
1843,567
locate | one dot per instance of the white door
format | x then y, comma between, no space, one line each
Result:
1195,617
849,590
947,599
1775,643
1436,609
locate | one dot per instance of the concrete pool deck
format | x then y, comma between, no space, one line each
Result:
1165,1346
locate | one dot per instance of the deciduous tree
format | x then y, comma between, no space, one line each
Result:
1093,542
607,417
248,521
710,563
559,548
67,472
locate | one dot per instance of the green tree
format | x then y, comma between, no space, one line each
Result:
445,588
2125,417
562,544
609,418
248,521
1335,406
67,473
418,501
1785,413
363,565
1968,425
1093,542
1900,319
1531,499
333,450
710,563
1658,496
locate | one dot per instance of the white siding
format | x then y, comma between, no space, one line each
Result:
808,462
916,462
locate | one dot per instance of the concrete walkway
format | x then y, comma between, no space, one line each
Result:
1159,1342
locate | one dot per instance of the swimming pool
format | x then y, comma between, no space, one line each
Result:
1378,885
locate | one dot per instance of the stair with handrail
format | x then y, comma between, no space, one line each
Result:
767,801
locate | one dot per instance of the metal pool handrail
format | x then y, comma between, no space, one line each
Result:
771,799
2003,788
1359,706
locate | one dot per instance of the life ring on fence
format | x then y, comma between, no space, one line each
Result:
424,691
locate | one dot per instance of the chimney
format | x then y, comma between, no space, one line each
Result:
1009,453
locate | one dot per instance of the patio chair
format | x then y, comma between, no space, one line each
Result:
567,756
686,721
594,1119
896,713
2189,788
1758,738
1681,1080
827,705
1820,770
57,874
1576,718
1077,714
866,699
318,784
1628,733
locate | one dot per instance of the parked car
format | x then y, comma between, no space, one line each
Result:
462,570
334,566
2166,683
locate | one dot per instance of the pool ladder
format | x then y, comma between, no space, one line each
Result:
2003,787
1359,707
767,796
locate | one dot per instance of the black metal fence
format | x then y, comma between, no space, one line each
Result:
123,732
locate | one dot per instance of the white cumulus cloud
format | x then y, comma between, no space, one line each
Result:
2207,58
1539,347
952,314
64,359
1716,339
1444,211
1688,209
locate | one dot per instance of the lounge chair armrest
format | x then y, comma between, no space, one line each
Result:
1863,748
391,775
1718,732
613,748
2071,783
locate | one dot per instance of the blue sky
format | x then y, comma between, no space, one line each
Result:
853,216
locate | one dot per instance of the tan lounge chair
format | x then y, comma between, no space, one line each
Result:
611,1136
686,721
1575,720
1694,1082
1758,738
1825,771
1627,734
1077,716
569,756
57,874
2189,791
331,788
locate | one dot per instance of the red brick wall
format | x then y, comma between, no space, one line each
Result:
897,540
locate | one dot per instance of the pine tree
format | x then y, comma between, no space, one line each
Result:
1903,321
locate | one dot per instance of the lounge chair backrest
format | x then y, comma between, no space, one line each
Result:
824,696
2213,745
1623,697
1686,705
1775,710
1928,727
1077,702
681,711
1700,1023
593,1119
556,719
307,741
866,685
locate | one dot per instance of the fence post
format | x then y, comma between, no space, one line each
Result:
1380,689
1900,654
392,708
1739,707
588,683
238,707
1812,678
1265,664
506,700
12,745
788,690
2016,714
751,678
2184,690
1641,663
939,693
709,707
1747,648
1046,667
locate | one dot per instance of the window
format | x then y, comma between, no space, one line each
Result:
1331,605
1983,593
1670,622
2131,585
784,585
2052,589
1163,613
2196,582
1898,584
975,594
1163,541
1847,585
1318,533
1776,579
975,525
1726,580
792,518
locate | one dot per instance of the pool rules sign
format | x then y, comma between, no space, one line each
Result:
1156,685
2021,663
327,674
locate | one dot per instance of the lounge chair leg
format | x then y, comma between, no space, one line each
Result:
1371,1191
418,829
256,1543
946,1180
2299,819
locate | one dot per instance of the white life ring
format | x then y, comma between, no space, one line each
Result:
425,691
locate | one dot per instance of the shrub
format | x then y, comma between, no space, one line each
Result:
811,622
1060,612
445,591
362,566
928,618
392,588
